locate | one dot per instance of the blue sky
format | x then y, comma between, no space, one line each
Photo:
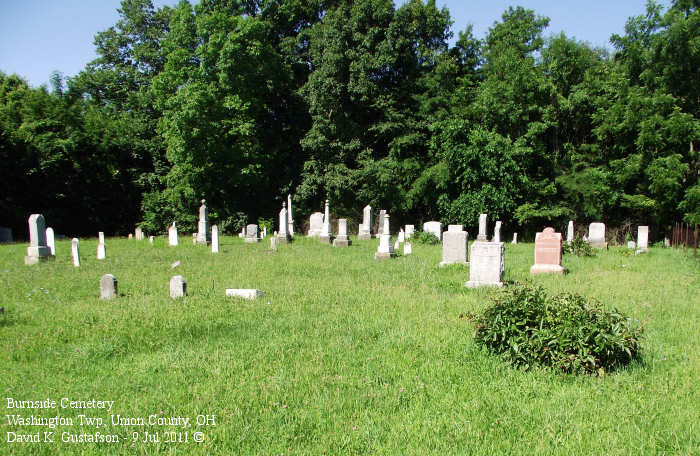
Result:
40,36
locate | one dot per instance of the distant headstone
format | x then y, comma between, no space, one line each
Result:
455,228
263,235
407,249
5,234
342,240
251,233
242,233
50,240
631,244
246,293
75,251
151,239
667,242
214,239
273,243
178,287
385,249
283,233
434,228
203,233
410,229
515,238
138,234
365,229
315,224
37,250
547,253
131,236
194,238
396,245
108,287
643,238
402,235
101,251
380,227
290,217
326,232
172,235
570,232
486,260
454,247
497,232
596,235
101,237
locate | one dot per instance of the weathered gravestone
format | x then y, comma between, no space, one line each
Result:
364,232
402,235
497,232
342,240
51,240
596,235
172,235
108,287
251,233
283,233
456,228
433,227
380,224
178,287
273,243
326,235
454,246
407,249
315,224
547,253
37,250
631,244
203,233
75,251
290,218
214,239
487,260
138,234
410,229
385,249
643,238
570,232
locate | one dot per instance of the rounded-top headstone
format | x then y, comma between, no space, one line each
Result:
178,287
108,287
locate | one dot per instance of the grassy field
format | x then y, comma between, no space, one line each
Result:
344,354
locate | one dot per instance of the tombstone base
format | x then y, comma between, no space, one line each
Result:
364,236
31,259
284,239
251,239
447,263
383,255
546,269
326,239
342,242
477,284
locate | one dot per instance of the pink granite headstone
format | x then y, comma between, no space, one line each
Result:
547,253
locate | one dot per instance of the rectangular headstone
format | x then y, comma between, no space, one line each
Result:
643,238
138,234
596,235
75,251
178,287
454,248
410,229
486,264
407,248
251,233
50,240
342,240
570,232
455,228
246,293
433,227
315,224
214,239
172,235
547,253
108,287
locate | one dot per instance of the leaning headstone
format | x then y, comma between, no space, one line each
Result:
178,287
631,245
385,249
290,217
497,232
407,249
547,253
108,287
643,238
101,251
342,240
5,234
570,232
487,260
50,240
251,233
457,228
246,293
75,251
37,250
138,234
596,235
365,229
380,227
283,234
315,224
434,228
172,235
454,247
203,234
214,239
326,232
402,236
515,238
410,229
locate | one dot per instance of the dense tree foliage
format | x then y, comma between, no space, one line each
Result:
243,101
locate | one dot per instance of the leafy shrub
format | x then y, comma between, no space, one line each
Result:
578,247
423,237
564,331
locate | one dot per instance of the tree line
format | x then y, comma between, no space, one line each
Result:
244,101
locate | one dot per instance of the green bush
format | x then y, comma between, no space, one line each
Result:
423,237
578,247
564,331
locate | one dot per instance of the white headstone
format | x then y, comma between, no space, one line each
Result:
264,232
108,287
454,247
342,240
396,245
101,251
101,237
410,229
203,234
407,250
246,293
380,227
251,233
482,228
315,224
214,239
138,234
455,228
434,228
290,217
365,229
631,244
178,287
486,264
570,232
37,250
596,235
50,240
283,233
515,238
326,231
497,232
242,233
643,238
402,235
172,235
75,251
385,249
273,243
151,239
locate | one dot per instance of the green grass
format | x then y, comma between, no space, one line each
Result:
344,354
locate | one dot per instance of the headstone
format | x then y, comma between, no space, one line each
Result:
75,251
402,235
283,234
101,251
455,228
290,217
203,233
596,235
434,228
5,234
667,242
385,249
138,234
407,249
326,233
178,287
486,260
454,247
547,253
497,232
631,244
643,238
151,239
172,235
242,233
515,238
380,227
410,229
315,224
570,232
264,232
131,236
273,243
37,250
108,287
50,240
251,233
246,293
194,238
365,229
214,239
396,245
482,229
101,237
342,240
